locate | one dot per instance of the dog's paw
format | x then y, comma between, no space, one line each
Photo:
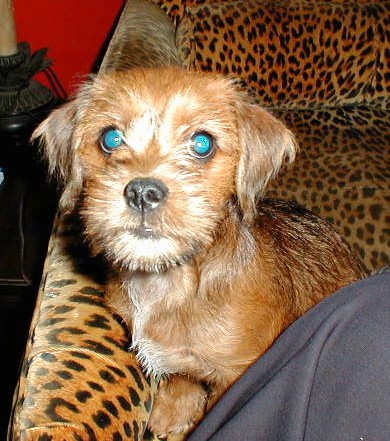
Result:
179,406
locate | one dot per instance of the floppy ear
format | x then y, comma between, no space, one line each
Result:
59,144
266,145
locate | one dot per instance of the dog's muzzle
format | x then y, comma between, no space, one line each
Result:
145,194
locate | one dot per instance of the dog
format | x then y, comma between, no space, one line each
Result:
169,169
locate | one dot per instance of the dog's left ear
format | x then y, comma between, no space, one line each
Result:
266,145
58,146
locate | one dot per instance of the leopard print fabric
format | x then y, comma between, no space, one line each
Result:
342,172
176,9
293,54
78,381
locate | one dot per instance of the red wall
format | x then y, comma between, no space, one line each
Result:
75,32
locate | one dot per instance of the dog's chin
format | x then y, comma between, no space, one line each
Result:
143,250
161,264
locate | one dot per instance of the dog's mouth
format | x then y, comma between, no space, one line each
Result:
147,227
145,249
145,232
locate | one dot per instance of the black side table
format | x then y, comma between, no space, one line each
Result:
27,207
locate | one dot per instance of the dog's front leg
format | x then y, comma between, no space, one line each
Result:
179,405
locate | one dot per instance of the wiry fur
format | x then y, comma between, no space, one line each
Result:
210,278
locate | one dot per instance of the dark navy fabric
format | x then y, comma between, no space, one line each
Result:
327,378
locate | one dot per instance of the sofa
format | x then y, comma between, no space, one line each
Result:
320,66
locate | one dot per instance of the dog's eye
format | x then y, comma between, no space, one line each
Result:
202,145
111,139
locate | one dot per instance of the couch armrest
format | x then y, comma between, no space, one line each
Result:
79,380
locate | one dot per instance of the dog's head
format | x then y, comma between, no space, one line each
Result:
156,156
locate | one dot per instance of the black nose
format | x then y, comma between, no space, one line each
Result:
145,194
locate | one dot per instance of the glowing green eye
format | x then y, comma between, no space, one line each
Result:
111,139
202,145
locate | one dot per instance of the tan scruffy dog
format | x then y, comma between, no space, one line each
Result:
169,167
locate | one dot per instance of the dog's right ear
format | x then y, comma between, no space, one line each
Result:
59,144
266,146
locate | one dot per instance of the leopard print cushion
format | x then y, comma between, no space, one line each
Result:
176,9
342,172
79,381
293,54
